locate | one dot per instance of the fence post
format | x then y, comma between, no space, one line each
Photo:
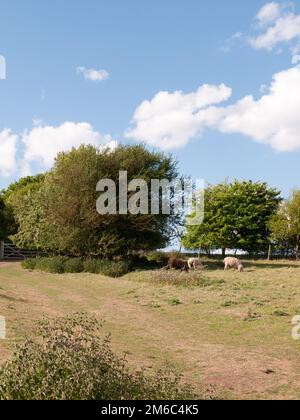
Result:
1,250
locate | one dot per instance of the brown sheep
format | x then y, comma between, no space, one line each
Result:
177,264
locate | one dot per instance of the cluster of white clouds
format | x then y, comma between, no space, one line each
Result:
93,75
279,25
275,25
269,13
171,120
41,144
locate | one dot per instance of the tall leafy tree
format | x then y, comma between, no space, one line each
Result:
6,220
285,225
60,216
294,214
236,217
12,201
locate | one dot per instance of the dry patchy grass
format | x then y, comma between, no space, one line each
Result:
226,329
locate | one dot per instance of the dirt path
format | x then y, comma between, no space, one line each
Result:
5,264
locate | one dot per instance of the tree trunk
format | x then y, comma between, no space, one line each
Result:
223,252
297,248
270,253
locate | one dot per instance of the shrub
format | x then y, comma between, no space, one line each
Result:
92,265
55,265
73,265
29,263
60,265
115,269
106,267
69,360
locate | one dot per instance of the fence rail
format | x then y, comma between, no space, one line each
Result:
12,253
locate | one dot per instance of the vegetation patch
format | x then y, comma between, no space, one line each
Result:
252,316
175,302
69,360
280,313
60,265
175,278
229,303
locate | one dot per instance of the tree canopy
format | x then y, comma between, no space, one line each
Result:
59,214
11,198
285,225
236,217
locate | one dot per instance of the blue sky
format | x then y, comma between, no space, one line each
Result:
147,48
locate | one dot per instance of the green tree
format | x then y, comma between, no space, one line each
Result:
236,217
21,187
294,215
60,216
15,198
280,229
285,225
6,220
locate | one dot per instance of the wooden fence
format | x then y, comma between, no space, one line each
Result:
9,252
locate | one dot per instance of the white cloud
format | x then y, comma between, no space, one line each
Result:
274,119
269,13
8,150
43,143
35,149
279,24
230,42
170,120
93,75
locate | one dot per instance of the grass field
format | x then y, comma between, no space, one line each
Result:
229,332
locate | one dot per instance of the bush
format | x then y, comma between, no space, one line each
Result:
92,265
73,265
29,263
115,269
60,265
55,265
69,360
106,267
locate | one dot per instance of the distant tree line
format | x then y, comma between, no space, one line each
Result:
56,212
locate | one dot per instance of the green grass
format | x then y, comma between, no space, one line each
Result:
223,330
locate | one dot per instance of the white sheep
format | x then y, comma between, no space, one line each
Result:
195,264
233,263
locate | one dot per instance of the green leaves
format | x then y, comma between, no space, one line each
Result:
285,225
57,213
236,217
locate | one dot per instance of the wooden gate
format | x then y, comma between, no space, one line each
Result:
10,252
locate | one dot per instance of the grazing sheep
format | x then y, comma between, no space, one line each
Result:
177,264
233,263
195,264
